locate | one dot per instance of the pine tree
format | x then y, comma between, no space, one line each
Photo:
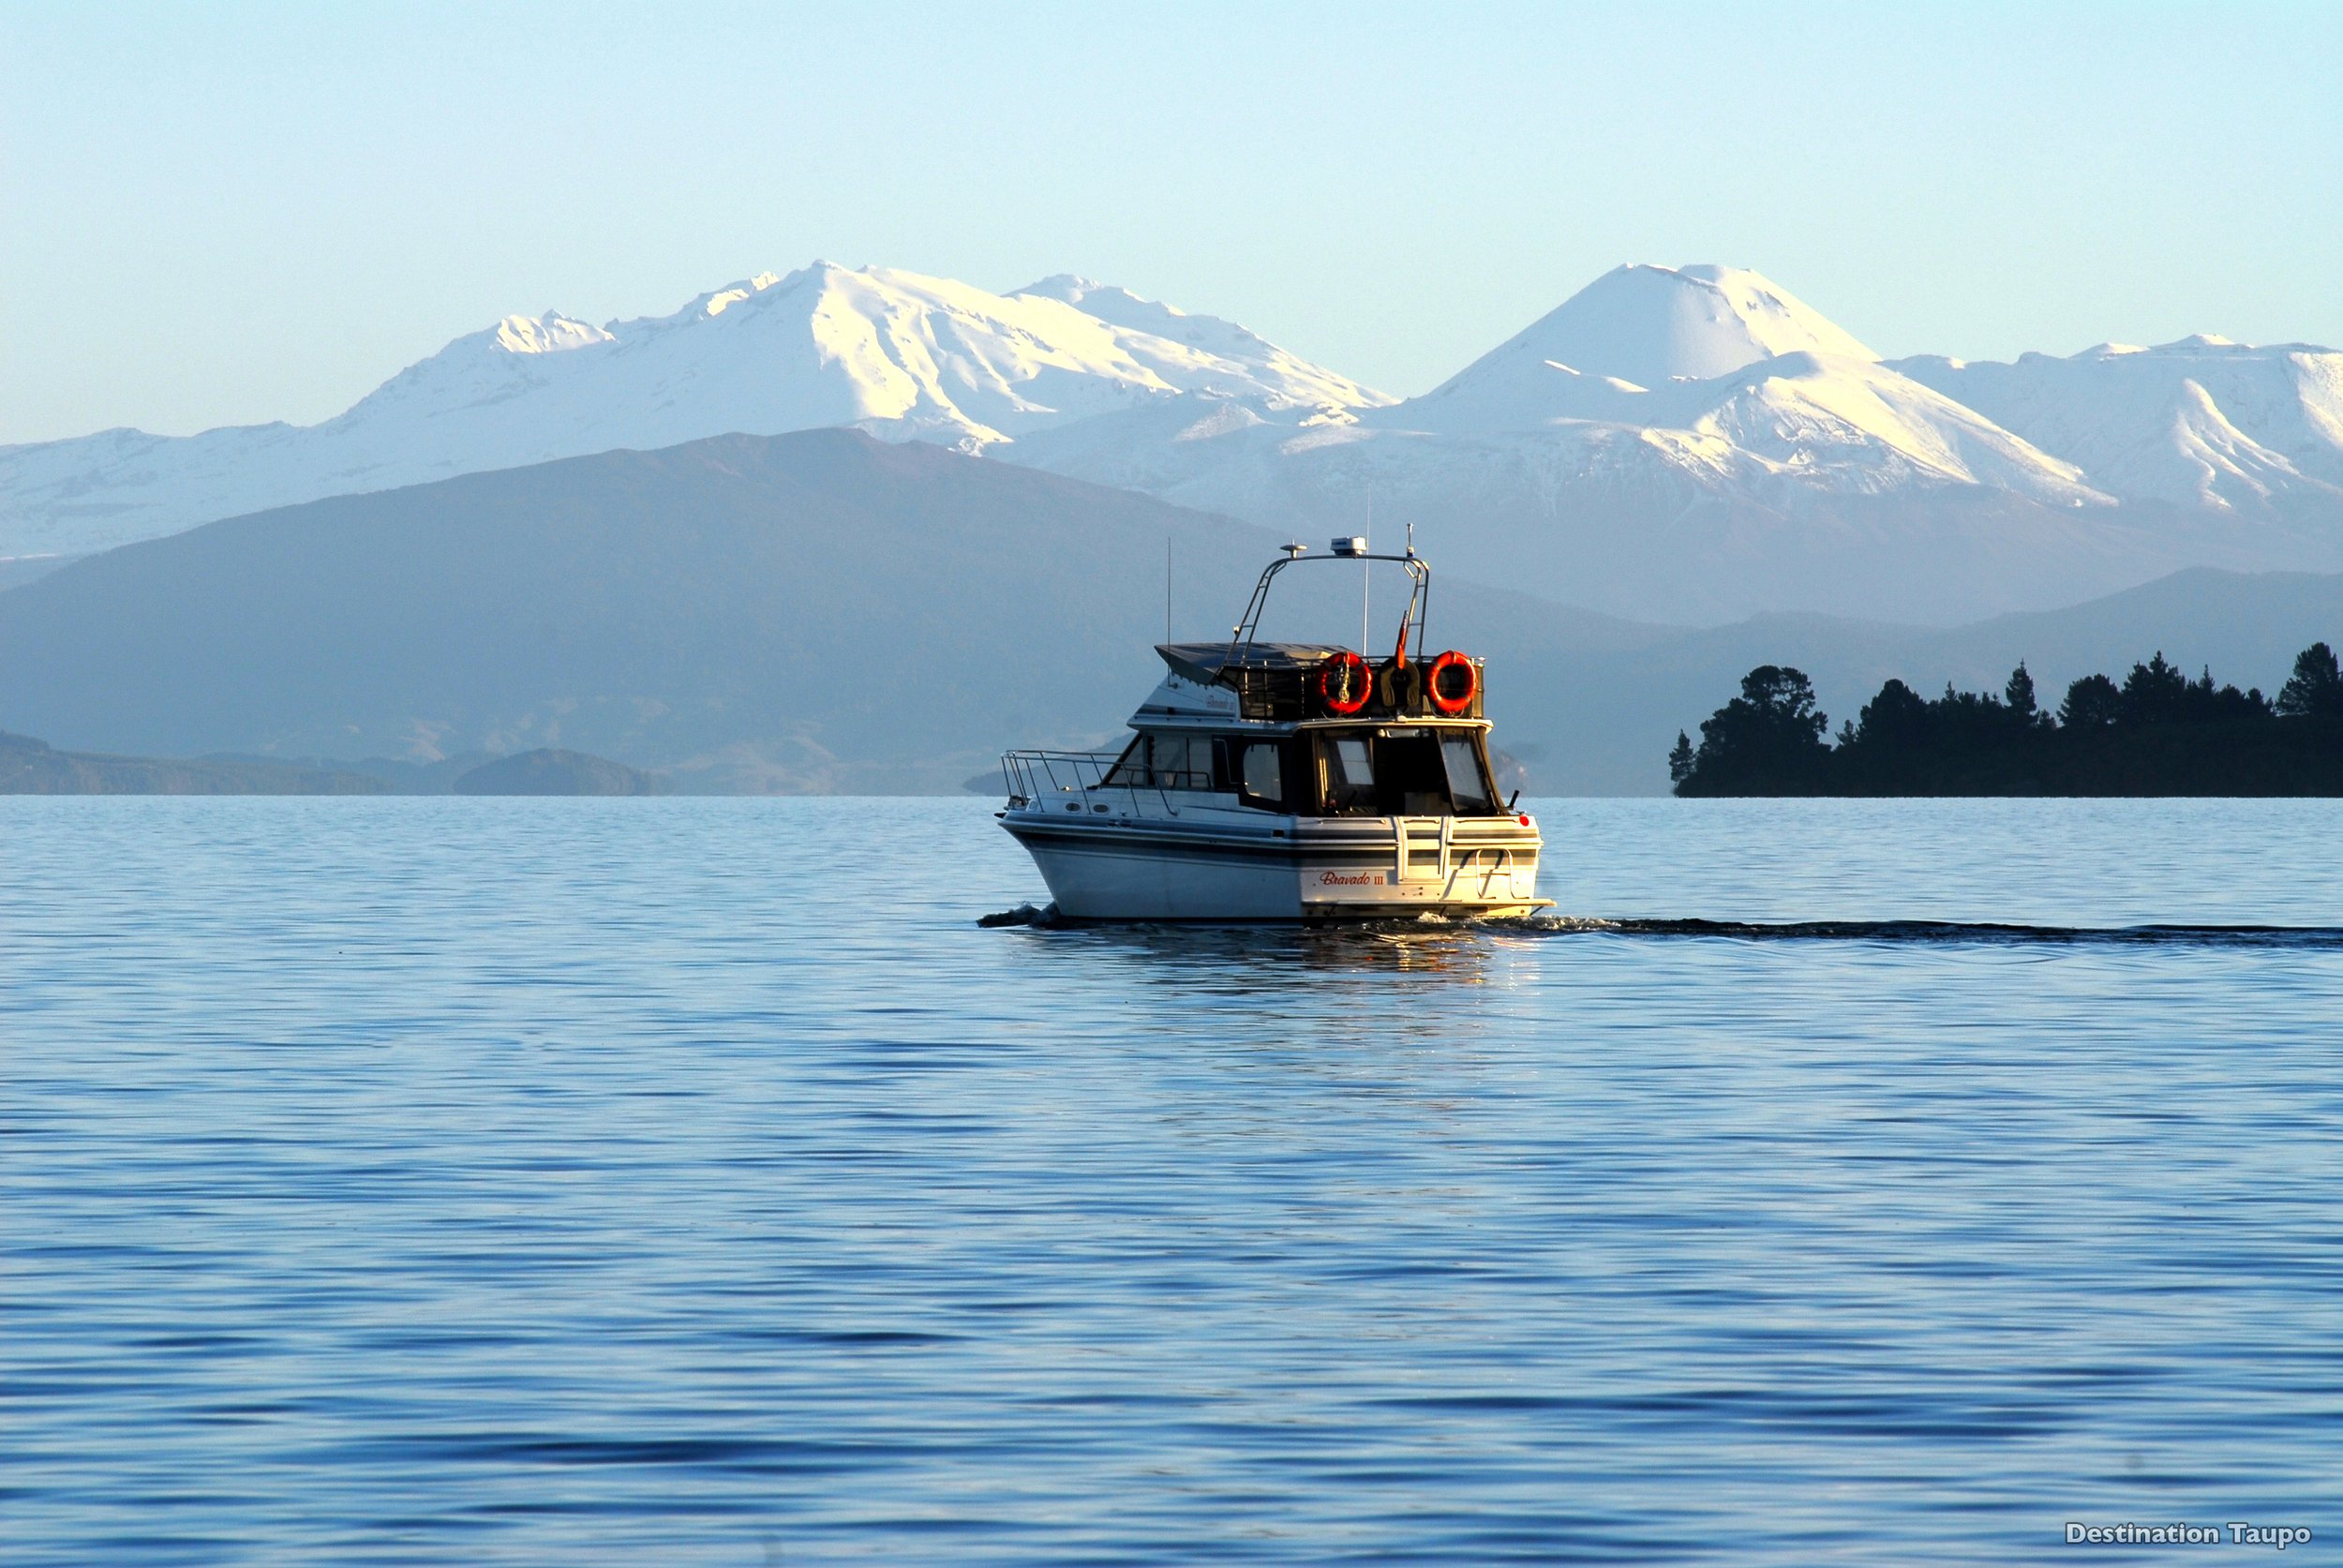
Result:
2315,689
2020,691
2155,693
2091,702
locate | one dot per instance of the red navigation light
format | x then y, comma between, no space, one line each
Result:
1525,820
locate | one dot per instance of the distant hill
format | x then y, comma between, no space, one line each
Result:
819,611
826,612
550,770
30,767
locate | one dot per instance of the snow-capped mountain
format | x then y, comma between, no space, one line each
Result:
1642,327
1671,443
1698,443
1727,376
902,355
2201,423
1704,376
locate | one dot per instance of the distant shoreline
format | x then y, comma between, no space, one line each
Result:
31,767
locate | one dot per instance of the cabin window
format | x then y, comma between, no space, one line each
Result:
1259,773
1183,762
1402,771
1347,776
1467,785
1254,770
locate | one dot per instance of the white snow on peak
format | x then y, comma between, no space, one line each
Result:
1835,421
1652,399
1118,305
714,304
1697,442
1797,423
1106,301
1739,381
549,334
1855,426
1204,354
904,355
1644,325
2201,423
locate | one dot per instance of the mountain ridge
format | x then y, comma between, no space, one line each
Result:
1670,443
783,614
742,611
902,354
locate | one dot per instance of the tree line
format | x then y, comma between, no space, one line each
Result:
2156,733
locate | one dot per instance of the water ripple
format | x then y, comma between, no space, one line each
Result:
513,1182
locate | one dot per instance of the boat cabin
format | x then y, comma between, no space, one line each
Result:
1312,731
1321,770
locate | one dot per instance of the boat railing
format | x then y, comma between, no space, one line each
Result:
1419,593
1033,776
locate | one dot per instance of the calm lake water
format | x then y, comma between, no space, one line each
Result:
688,1182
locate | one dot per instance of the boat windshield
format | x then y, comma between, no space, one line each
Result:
1246,766
1158,761
1402,771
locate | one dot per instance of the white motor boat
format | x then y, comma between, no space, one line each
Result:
1278,780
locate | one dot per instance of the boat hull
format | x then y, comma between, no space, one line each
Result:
1310,870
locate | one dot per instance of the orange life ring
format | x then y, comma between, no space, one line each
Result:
1440,684
1344,685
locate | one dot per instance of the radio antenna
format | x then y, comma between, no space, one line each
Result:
1166,588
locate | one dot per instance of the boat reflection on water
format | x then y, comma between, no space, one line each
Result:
1459,950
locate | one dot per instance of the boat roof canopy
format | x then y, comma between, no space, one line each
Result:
1203,662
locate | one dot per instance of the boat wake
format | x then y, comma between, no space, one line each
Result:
1940,933
1975,933
1045,917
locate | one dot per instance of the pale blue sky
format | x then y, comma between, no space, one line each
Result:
220,213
